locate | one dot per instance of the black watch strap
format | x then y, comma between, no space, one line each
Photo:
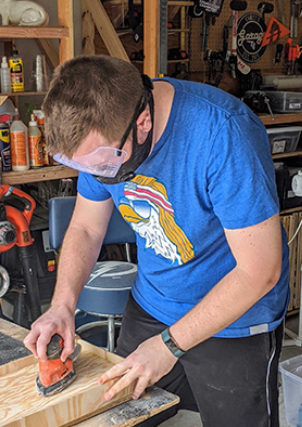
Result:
171,344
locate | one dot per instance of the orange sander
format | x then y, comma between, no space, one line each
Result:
55,375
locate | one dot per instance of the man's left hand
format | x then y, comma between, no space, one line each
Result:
147,364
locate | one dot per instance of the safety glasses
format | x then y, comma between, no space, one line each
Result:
103,161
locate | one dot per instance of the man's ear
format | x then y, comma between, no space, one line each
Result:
144,122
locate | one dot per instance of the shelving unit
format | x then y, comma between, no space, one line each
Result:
64,32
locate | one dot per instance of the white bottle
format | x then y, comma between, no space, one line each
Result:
19,144
5,76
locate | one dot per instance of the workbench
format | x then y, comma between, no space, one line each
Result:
127,414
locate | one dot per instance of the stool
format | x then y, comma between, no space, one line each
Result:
106,292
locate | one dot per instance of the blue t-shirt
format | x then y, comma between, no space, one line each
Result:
211,169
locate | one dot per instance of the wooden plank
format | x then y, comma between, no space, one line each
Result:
88,30
291,210
106,30
65,16
170,3
17,32
281,118
27,93
151,29
125,415
21,405
35,175
50,52
13,330
284,155
134,412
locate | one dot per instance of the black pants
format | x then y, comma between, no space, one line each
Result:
231,382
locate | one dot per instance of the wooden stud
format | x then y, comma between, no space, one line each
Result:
106,30
88,30
65,16
182,26
151,27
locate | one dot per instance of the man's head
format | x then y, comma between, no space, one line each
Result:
90,94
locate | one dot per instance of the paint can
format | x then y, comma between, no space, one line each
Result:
5,147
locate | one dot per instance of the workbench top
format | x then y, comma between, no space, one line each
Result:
127,414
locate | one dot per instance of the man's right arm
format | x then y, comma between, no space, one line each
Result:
80,250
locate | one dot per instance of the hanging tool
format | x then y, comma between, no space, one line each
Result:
265,8
236,6
278,54
55,375
15,231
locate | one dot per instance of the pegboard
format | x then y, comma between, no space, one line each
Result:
266,63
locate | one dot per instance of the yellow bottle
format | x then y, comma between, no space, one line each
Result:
16,72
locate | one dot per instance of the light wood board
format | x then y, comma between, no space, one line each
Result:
21,406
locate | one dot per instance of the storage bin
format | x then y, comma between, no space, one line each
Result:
285,102
291,371
285,139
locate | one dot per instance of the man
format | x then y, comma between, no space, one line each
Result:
189,167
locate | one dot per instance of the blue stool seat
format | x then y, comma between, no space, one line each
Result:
107,290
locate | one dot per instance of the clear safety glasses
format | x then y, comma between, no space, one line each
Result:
103,161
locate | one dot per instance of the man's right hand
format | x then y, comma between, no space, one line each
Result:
57,320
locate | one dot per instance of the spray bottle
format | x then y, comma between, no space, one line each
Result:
5,76
19,144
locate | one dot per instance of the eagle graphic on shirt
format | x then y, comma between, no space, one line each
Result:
146,207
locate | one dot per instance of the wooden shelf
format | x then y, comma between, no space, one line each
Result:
128,32
17,32
285,155
170,61
178,30
292,210
35,175
281,118
170,2
26,93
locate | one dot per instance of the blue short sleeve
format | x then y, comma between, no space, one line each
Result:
91,188
241,176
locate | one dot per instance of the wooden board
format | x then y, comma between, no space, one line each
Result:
21,406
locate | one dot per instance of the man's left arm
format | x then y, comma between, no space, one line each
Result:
258,254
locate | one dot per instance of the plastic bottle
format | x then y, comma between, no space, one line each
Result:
16,72
5,76
34,144
19,144
41,121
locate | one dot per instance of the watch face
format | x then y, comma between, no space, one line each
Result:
172,346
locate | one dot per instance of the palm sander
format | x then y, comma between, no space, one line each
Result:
55,375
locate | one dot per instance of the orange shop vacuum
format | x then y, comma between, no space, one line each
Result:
14,230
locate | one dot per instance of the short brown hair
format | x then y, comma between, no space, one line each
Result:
90,93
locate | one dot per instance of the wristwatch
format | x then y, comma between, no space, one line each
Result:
171,344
